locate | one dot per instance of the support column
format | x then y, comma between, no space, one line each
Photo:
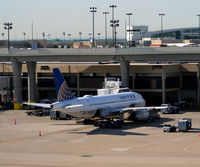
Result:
198,86
133,80
31,68
17,69
78,84
124,67
180,87
163,85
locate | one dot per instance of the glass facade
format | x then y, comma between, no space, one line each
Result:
189,82
148,83
172,82
91,82
173,34
182,33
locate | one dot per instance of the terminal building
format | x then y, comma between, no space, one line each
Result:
158,83
139,32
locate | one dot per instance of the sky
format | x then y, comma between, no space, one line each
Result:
73,16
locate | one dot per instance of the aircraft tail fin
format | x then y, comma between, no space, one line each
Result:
62,90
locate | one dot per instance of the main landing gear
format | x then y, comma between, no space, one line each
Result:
109,123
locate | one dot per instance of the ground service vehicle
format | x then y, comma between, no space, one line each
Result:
169,109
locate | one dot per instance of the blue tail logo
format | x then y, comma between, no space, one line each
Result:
62,90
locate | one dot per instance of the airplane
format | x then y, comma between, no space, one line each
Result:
180,44
104,106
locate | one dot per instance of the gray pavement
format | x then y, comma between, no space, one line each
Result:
63,143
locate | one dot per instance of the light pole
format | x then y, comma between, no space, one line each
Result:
129,22
93,10
64,35
24,35
43,35
115,23
199,24
80,33
105,13
2,34
69,35
113,33
90,34
161,16
8,26
48,36
125,32
99,35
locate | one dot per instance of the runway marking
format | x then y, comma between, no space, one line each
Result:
81,140
157,142
42,141
120,149
147,144
186,148
50,139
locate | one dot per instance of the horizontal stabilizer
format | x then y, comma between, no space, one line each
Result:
43,105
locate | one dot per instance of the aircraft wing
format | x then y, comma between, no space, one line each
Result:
42,105
141,108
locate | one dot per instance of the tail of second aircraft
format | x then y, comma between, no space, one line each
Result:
62,90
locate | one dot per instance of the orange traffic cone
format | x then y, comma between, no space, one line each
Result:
15,122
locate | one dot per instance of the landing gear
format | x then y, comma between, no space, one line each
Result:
88,122
108,123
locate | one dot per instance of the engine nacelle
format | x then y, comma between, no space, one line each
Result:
141,115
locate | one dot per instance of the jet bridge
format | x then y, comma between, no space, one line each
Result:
112,85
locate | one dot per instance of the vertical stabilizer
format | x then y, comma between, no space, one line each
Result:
62,90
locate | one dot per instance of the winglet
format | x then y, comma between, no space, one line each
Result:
62,90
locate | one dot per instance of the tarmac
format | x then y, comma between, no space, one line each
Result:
29,141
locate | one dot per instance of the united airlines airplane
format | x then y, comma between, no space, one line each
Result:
96,106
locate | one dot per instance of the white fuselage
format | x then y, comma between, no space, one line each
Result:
88,106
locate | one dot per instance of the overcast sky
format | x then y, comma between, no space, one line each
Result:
73,16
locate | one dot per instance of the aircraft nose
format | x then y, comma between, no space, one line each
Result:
144,102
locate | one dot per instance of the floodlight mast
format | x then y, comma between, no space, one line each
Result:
106,38
162,34
199,23
129,22
115,23
8,27
113,18
93,10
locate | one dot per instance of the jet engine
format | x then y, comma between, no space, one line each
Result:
141,115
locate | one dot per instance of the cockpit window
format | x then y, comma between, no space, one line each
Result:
124,90
139,96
